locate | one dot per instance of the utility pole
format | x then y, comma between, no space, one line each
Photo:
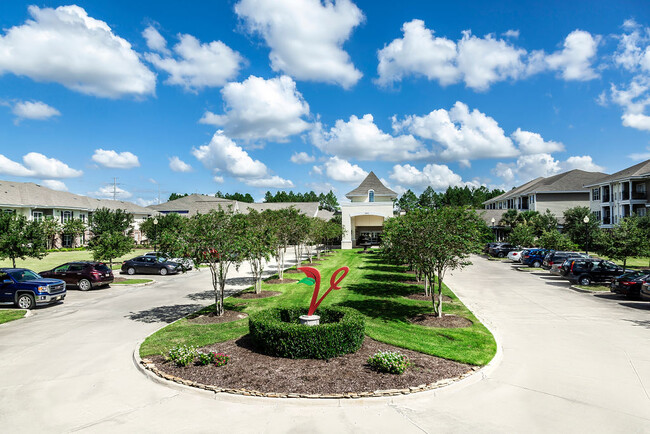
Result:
114,188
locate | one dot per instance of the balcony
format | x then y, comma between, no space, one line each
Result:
607,220
625,195
639,195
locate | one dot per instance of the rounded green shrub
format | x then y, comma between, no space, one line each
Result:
278,332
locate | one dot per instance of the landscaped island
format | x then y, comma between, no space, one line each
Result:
384,294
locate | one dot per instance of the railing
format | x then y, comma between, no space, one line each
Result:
639,195
625,195
605,198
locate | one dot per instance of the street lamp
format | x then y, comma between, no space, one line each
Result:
493,231
155,235
586,222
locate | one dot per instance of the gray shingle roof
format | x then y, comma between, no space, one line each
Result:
307,208
29,194
371,183
195,203
641,169
571,181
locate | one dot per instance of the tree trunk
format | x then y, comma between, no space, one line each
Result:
426,285
439,310
624,264
13,261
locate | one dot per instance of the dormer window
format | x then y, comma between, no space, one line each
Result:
371,195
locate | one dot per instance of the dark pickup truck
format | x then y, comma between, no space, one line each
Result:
26,289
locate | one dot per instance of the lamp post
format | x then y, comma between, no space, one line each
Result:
155,235
493,231
586,222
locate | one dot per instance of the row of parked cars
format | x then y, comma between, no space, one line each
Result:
578,268
27,289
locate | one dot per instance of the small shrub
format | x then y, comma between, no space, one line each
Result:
221,359
205,358
182,355
389,361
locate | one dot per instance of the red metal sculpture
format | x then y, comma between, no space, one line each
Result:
313,278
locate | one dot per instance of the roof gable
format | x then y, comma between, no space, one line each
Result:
371,183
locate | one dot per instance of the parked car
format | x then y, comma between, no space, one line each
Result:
533,257
585,271
501,250
185,262
644,293
83,274
488,246
629,284
556,269
26,289
554,256
515,255
150,265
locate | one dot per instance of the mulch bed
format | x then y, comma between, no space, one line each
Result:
413,282
293,271
445,321
119,279
313,264
276,281
445,298
248,369
263,294
211,318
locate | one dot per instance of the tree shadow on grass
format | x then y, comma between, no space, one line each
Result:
166,314
392,277
385,268
385,309
381,289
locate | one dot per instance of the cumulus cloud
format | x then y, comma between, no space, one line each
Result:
479,62
111,192
66,46
463,134
37,165
115,160
305,36
302,158
261,109
54,184
35,110
640,155
342,170
178,165
193,65
223,155
439,177
145,202
528,167
533,143
360,138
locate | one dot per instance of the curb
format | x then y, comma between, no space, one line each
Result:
586,291
133,285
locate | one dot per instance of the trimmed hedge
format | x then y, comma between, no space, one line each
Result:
278,332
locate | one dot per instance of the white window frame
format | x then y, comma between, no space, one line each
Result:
37,216
371,195
66,216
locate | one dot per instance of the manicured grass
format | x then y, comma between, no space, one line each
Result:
7,315
373,288
131,281
598,288
54,259
635,263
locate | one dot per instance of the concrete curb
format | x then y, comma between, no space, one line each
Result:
135,285
586,291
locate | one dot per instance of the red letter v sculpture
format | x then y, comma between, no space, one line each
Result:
313,278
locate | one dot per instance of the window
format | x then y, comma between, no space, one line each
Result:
598,215
67,240
9,211
595,194
641,212
371,195
37,216
66,216
82,217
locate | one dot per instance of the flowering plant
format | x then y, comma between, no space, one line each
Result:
220,359
391,362
182,355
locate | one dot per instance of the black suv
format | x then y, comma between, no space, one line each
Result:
150,265
83,274
629,284
501,250
587,270
557,257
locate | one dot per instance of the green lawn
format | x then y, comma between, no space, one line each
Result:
596,288
373,288
131,282
54,259
7,315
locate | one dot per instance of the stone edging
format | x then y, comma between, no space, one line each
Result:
149,368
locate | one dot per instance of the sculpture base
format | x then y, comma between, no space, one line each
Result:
309,320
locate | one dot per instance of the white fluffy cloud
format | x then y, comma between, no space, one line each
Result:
178,165
35,110
55,184
528,167
110,192
533,143
305,36
115,160
302,158
479,62
261,109
223,155
194,65
463,134
66,46
360,138
37,166
641,155
341,170
439,177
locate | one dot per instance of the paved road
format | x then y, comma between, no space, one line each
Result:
570,362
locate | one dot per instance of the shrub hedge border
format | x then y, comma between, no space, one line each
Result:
277,332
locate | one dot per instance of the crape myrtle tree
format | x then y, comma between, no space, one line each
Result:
111,234
278,221
258,244
626,239
298,229
523,235
554,240
74,228
579,232
217,238
21,238
51,228
169,234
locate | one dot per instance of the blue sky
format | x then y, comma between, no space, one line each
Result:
256,95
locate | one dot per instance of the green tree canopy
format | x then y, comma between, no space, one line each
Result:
111,234
21,238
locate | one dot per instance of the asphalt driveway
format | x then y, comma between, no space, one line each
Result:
569,362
